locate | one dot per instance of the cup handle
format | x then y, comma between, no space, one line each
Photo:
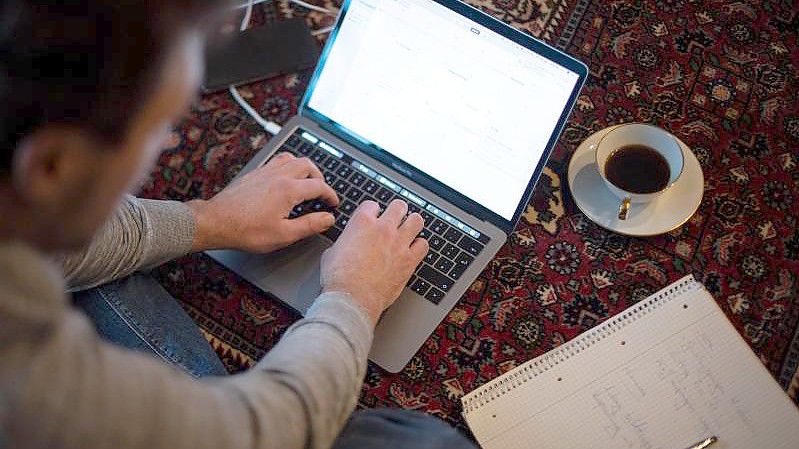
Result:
624,208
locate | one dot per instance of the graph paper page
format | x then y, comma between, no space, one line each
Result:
667,377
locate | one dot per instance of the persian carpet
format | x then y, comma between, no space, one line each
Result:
721,75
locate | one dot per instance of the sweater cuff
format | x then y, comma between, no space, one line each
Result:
172,226
339,309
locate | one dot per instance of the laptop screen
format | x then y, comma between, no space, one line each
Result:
455,100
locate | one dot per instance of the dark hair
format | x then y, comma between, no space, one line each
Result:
83,62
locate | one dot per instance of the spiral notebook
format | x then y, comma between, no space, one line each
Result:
664,374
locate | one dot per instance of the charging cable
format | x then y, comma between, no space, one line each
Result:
314,7
270,126
306,5
321,31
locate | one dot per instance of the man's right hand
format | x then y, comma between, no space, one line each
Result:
375,256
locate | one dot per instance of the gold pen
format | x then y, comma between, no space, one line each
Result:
704,443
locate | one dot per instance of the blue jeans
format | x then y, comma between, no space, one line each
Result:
136,312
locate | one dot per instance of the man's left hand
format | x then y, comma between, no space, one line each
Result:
252,213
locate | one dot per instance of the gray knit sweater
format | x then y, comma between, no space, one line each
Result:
62,387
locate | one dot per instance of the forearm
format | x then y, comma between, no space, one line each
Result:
141,234
74,391
323,357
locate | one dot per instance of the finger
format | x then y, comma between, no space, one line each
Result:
395,212
310,189
368,208
280,159
277,161
303,168
308,225
412,226
419,249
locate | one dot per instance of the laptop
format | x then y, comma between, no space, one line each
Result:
436,103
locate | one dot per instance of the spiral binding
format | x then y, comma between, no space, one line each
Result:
533,368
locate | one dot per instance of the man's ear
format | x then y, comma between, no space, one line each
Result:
50,163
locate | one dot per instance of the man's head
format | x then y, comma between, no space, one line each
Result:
88,92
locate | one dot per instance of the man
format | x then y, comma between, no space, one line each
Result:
89,90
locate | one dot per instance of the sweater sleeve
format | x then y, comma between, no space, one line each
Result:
67,388
141,234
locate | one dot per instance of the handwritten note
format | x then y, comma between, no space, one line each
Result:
663,379
679,384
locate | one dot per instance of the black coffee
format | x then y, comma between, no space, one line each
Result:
637,169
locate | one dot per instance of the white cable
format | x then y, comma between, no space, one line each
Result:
245,21
270,126
314,7
306,5
322,31
248,3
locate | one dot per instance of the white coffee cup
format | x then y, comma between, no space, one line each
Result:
644,135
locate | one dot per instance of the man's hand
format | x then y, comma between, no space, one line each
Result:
252,214
375,256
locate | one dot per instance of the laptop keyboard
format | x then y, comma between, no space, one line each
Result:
453,244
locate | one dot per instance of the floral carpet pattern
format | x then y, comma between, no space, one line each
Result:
721,75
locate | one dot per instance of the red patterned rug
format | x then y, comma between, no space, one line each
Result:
721,75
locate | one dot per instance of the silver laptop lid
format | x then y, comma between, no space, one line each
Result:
452,98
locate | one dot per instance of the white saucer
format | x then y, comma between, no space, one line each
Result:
666,213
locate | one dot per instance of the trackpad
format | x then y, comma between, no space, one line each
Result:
291,274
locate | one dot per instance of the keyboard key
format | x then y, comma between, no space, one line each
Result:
413,208
330,179
450,251
435,242
344,171
432,276
425,234
434,295
431,257
371,187
428,217
331,163
342,221
453,235
318,206
297,210
354,193
286,149
464,259
439,227
420,286
444,265
293,141
305,149
384,204
341,186
347,207
319,156
357,179
332,233
470,245
457,271
384,195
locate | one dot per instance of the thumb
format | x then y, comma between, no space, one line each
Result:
310,224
